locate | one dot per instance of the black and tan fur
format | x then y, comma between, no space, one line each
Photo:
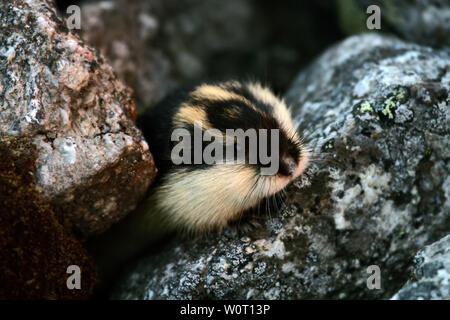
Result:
197,198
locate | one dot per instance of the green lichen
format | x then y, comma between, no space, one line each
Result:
365,106
402,234
285,213
400,94
389,105
329,145
397,95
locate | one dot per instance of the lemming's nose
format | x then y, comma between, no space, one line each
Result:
291,165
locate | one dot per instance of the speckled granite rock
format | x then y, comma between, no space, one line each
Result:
158,45
375,111
93,163
431,274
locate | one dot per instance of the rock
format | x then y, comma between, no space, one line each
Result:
156,46
35,248
93,164
431,274
425,22
375,112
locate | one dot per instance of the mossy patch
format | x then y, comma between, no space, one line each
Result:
35,249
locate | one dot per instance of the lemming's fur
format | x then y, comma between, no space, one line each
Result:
197,198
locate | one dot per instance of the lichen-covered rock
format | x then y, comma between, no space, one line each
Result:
93,163
375,111
431,274
158,45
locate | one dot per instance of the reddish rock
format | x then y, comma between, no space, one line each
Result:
93,165
35,248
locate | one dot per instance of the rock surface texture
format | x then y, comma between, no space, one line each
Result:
35,248
375,111
93,164
431,274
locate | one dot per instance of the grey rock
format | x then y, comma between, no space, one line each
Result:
425,22
375,112
431,274
93,163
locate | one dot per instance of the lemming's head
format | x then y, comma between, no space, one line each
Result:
233,144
